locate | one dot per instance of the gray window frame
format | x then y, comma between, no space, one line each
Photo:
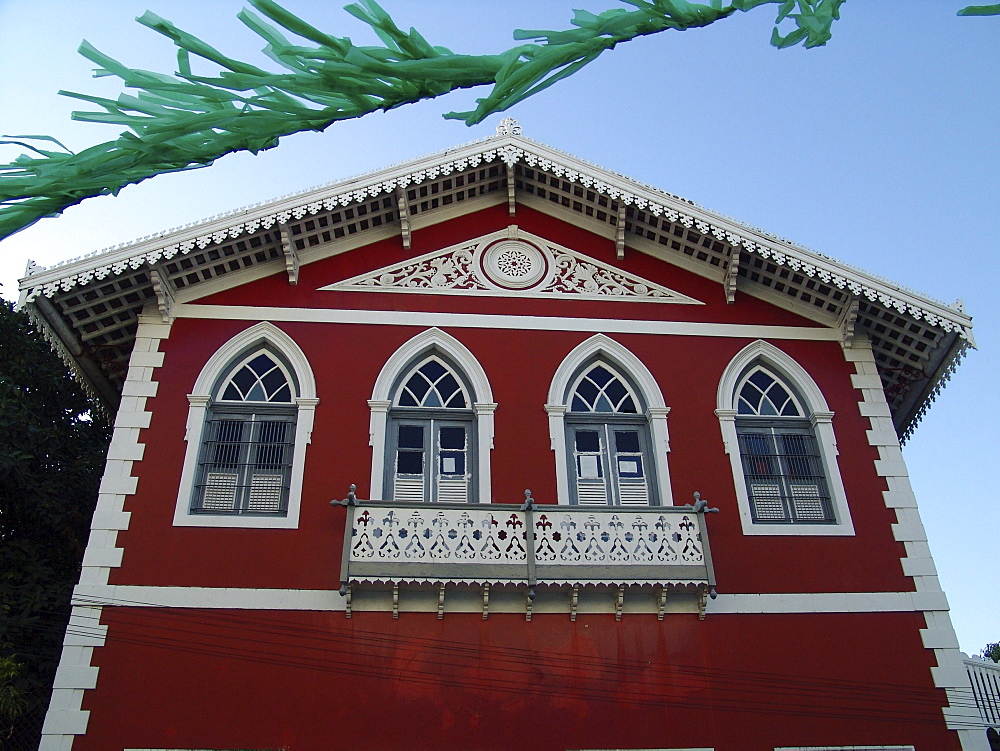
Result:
248,490
431,419
606,423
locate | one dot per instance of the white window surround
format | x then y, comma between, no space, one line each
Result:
267,335
602,347
821,419
427,343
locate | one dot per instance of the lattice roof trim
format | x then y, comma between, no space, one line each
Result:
92,303
941,378
510,150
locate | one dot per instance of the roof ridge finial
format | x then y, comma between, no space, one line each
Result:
509,127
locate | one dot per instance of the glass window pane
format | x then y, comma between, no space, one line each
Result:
410,462
453,438
433,370
627,440
588,392
587,440
600,376
616,392
244,380
261,364
273,381
411,436
417,386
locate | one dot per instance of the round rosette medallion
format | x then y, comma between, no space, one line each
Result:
514,264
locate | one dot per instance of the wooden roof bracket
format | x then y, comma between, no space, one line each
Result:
404,216
511,187
729,277
164,292
620,233
291,255
848,321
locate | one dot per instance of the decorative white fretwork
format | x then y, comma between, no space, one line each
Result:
509,127
565,543
528,266
424,536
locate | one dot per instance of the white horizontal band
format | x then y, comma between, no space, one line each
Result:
330,600
486,321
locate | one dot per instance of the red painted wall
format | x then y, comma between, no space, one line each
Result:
346,359
246,679
304,680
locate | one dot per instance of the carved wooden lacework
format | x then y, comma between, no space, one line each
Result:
485,536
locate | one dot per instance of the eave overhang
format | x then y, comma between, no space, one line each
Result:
89,306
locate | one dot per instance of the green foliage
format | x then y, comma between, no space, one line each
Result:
991,651
981,10
183,121
52,448
12,701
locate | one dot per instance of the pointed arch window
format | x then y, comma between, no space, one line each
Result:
782,464
246,455
607,440
778,432
432,436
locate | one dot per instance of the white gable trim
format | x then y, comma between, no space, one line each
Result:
511,263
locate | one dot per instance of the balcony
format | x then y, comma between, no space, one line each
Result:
526,558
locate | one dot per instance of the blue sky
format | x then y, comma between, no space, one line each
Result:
879,150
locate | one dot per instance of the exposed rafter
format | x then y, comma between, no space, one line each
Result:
291,256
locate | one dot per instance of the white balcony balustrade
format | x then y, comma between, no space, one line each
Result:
533,546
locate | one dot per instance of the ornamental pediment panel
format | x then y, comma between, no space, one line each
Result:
512,263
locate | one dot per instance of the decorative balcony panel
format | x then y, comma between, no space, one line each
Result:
393,542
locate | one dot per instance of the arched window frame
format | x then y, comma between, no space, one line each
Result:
262,337
602,348
815,407
433,342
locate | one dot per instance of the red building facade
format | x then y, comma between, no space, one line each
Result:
443,336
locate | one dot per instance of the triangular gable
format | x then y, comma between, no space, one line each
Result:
511,263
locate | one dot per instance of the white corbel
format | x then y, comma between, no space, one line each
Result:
511,204
291,256
164,293
729,278
404,216
849,321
